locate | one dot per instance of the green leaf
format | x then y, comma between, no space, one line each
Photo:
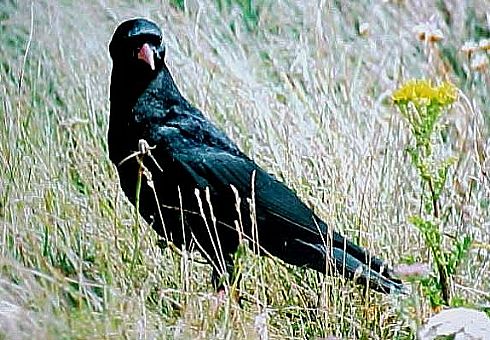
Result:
459,253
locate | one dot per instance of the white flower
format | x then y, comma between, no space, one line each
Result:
479,62
469,47
484,44
428,33
364,29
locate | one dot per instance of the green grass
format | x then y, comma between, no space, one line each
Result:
302,92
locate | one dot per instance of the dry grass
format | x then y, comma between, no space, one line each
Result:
301,91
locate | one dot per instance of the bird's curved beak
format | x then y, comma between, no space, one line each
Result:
146,54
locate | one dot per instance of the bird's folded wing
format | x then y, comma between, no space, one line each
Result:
274,201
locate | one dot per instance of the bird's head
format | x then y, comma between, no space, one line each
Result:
137,46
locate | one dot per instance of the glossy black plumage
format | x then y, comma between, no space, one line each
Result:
193,153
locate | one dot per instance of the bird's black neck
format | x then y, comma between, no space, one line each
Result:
135,99
160,86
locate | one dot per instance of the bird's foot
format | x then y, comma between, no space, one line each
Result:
221,297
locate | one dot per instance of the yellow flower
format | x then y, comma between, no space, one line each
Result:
447,93
421,92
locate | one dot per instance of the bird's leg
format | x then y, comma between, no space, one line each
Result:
222,287
218,281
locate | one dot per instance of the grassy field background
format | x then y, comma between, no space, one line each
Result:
304,88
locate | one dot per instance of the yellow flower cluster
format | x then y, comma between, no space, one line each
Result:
421,92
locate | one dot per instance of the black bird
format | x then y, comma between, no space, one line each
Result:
198,174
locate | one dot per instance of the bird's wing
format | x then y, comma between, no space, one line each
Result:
274,201
213,160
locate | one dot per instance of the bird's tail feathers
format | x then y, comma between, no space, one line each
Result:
376,275
352,268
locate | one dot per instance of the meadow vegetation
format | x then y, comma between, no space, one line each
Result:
306,89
